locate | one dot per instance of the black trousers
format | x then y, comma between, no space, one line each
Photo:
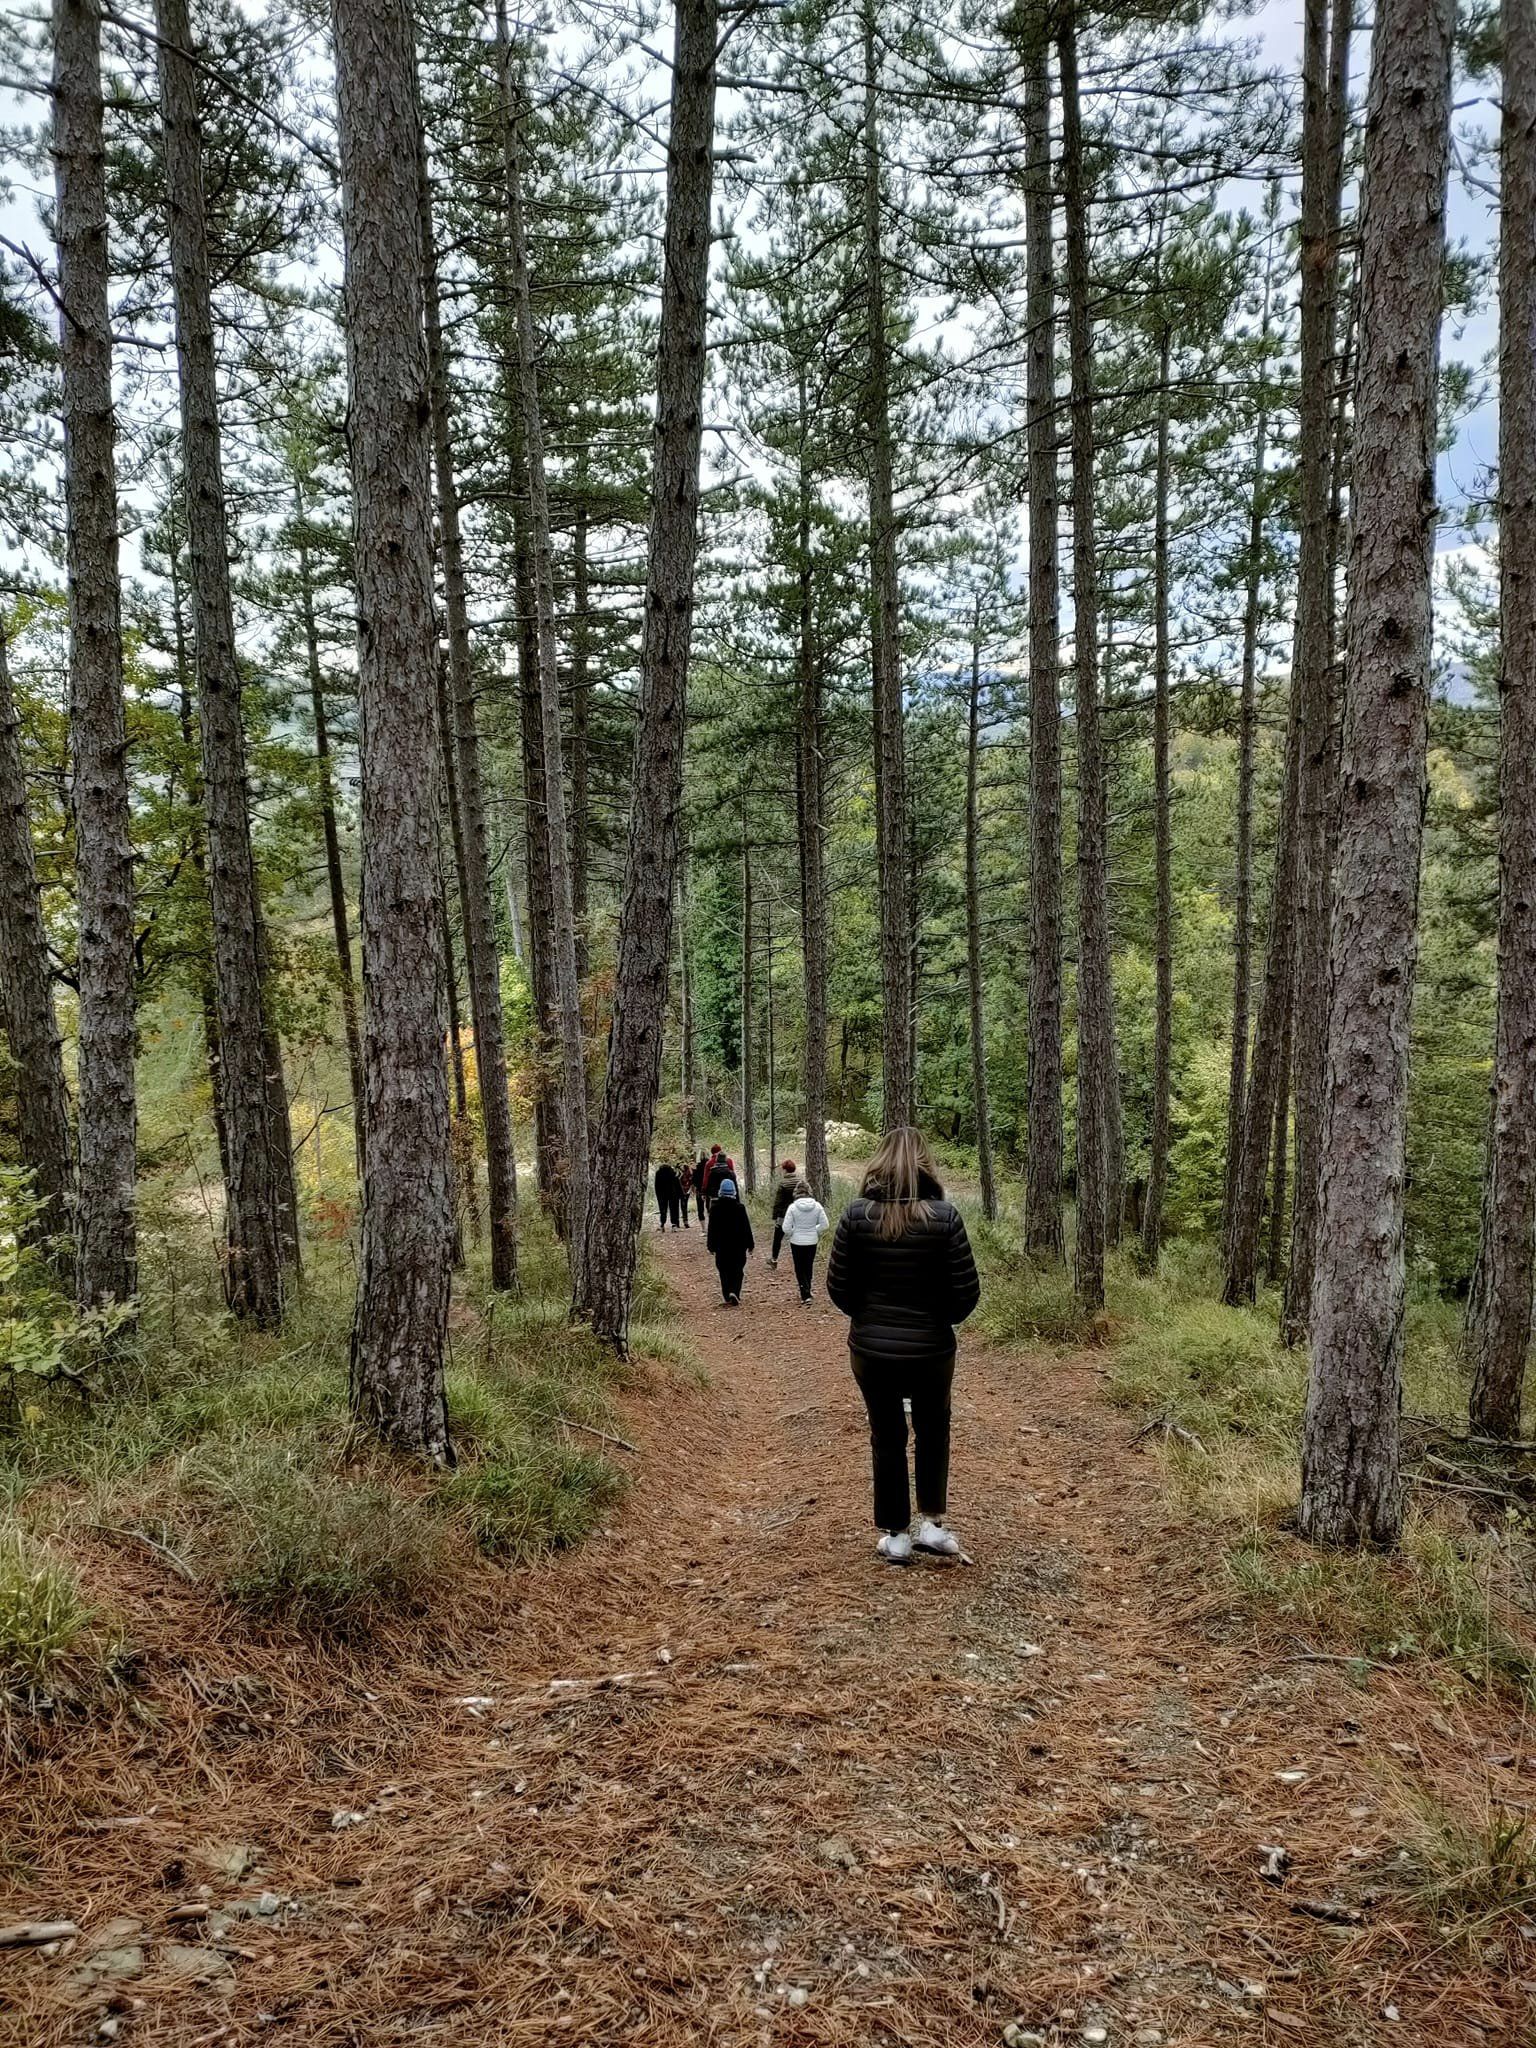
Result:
778,1242
732,1271
804,1256
670,1213
926,1384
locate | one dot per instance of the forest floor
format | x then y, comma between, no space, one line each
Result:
722,1777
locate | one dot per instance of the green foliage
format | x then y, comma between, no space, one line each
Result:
51,1648
1471,1873
288,1537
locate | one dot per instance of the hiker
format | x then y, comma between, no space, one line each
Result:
804,1221
783,1195
668,1194
701,1183
722,1170
685,1186
730,1239
902,1272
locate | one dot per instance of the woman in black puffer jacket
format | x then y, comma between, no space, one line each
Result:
902,1272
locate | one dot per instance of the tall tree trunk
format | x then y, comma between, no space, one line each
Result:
253,1262
1350,1487
566,992
748,1100
1280,1149
1095,1071
286,1186
885,645
402,1306
1499,1306
645,919
462,1141
690,1060
1247,733
581,704
1325,79
773,1095
548,1123
973,930
1269,1062
482,960
107,1263
335,879
1043,1231
1162,829
26,998
810,791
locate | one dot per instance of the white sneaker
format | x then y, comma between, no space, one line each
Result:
934,1537
896,1548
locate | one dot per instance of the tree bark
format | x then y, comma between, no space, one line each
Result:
748,1099
1162,830
645,920
1095,1073
566,992
1350,1487
973,931
335,878
462,1132
482,960
1325,79
810,791
885,640
1043,1233
26,998
107,1264
1247,734
548,1124
581,702
1280,1151
253,1263
400,1325
690,1047
1499,1307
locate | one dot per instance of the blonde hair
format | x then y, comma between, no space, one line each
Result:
802,1187
892,1185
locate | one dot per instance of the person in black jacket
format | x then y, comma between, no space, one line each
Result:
730,1240
902,1272
701,1180
669,1195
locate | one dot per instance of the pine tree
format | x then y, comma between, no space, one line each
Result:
402,1305
1351,1490
1498,1331
645,921
107,1268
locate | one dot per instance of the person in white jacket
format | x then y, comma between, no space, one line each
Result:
804,1221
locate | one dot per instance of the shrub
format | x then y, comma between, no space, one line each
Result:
317,1548
531,1498
50,1647
1471,1873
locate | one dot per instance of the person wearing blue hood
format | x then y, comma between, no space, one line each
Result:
730,1241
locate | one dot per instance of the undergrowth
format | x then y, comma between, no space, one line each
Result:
1226,1398
230,1457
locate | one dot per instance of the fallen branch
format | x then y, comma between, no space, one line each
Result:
161,1550
37,1933
619,1443
1171,1430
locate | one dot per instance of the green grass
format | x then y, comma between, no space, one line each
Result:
237,1449
1471,1873
1234,1398
52,1649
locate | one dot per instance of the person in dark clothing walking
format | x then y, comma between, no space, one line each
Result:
722,1169
701,1183
902,1272
685,1187
669,1195
783,1195
730,1240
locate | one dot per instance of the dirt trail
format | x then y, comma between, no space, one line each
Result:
727,1779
